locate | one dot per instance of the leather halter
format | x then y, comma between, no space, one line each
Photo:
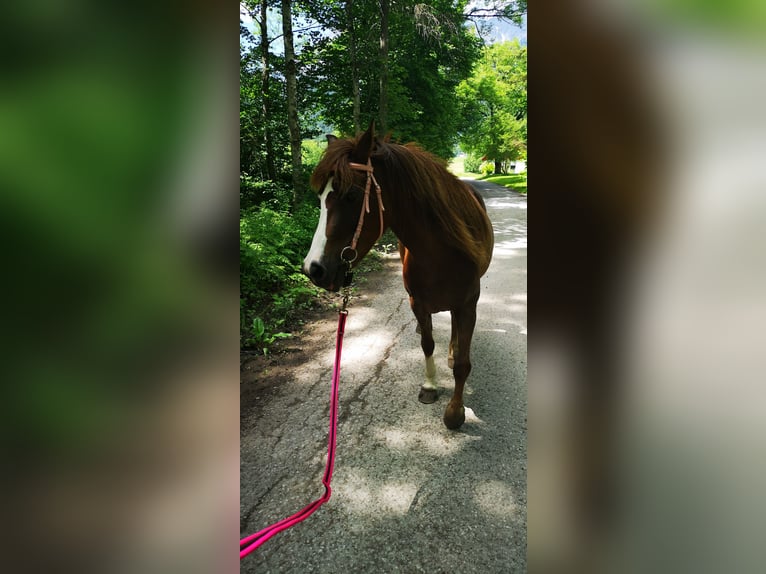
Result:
365,208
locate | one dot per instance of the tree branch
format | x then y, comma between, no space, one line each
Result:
489,13
296,30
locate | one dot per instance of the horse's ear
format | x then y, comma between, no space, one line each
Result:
330,138
366,145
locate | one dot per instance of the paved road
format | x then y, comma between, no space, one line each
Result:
408,495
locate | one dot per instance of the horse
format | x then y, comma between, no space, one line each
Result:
445,239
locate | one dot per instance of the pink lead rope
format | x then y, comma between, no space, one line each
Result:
250,543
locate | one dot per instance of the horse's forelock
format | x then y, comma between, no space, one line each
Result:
335,164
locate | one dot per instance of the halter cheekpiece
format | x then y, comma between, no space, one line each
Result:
365,209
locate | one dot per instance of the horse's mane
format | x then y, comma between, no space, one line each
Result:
334,163
424,185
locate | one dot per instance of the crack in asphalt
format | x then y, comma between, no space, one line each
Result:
356,396
397,468
395,312
416,498
319,447
244,521
323,376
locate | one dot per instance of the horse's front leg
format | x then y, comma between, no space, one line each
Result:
428,391
464,321
453,344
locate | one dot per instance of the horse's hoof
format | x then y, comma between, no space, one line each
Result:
417,328
454,418
428,396
451,362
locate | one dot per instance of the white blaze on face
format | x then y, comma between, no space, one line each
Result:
320,235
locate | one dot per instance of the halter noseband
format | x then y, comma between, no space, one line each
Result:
365,209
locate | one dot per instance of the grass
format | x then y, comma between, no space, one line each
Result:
515,181
456,167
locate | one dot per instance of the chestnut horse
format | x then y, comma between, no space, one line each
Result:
445,239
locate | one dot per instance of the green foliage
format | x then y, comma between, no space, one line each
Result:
512,10
273,195
494,104
272,289
430,51
312,152
436,90
472,163
259,336
253,126
388,243
487,168
272,245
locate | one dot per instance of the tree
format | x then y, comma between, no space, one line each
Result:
494,105
264,144
340,63
399,63
401,70
511,11
271,171
383,106
351,29
432,52
292,101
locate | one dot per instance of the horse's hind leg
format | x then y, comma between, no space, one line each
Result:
428,391
464,321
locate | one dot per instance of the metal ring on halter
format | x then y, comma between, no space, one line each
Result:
351,260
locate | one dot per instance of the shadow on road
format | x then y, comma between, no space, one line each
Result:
408,494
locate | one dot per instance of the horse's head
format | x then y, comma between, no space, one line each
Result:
340,180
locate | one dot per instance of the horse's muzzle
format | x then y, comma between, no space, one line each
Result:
322,277
316,272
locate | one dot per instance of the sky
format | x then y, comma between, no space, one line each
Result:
501,31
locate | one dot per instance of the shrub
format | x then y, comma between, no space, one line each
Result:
472,163
274,195
273,291
311,152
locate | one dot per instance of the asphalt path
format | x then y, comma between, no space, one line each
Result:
408,495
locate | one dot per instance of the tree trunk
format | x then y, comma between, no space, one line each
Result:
493,140
354,66
292,101
271,171
383,108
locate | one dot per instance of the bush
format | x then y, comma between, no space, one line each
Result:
270,194
273,291
487,168
311,152
472,163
